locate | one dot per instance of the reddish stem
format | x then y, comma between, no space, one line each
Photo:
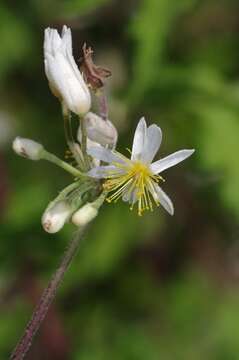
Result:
46,299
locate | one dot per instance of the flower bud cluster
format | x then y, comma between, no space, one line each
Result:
79,202
62,211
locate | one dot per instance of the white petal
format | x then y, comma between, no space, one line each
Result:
63,78
84,215
46,69
99,130
55,216
66,39
76,71
62,72
64,30
27,148
164,200
126,196
171,160
139,139
47,41
55,41
104,154
54,74
152,143
100,172
130,196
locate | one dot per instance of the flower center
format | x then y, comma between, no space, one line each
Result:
140,169
135,183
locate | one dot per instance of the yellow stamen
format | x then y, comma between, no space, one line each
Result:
135,181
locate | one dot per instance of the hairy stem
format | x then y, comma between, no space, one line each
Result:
46,299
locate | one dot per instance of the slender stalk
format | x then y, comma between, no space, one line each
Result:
83,136
76,151
67,190
55,160
84,143
46,299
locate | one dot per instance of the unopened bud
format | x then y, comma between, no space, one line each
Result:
84,215
65,79
55,217
27,148
99,130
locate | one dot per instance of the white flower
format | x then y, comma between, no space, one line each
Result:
55,217
136,179
99,130
62,72
27,148
84,215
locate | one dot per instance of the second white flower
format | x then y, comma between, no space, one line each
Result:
65,79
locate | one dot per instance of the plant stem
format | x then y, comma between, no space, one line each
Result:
84,143
83,136
76,151
55,160
46,299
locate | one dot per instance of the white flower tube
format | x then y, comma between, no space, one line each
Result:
55,217
99,130
84,215
27,148
65,79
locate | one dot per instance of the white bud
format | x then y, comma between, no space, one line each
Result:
55,217
99,130
84,215
27,148
65,79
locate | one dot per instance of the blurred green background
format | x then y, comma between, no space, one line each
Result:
150,288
